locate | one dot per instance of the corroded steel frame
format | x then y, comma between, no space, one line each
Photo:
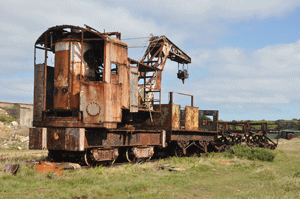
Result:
151,66
81,139
247,127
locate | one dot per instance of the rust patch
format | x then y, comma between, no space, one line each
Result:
159,120
61,80
46,167
225,162
56,136
175,116
191,118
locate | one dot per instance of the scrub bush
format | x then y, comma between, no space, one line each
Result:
252,153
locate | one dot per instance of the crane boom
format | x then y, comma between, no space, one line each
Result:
152,64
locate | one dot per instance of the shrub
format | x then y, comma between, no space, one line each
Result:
252,153
6,118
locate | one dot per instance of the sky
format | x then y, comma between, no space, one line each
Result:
245,53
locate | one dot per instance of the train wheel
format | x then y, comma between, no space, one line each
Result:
130,156
178,152
88,158
198,152
203,146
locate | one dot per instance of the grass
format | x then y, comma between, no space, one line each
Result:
204,177
6,119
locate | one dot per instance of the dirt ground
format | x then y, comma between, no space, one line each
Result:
289,145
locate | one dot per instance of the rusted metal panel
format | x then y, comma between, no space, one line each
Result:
107,62
114,79
75,74
38,92
145,152
61,80
118,52
38,138
125,85
115,53
105,138
92,102
112,101
133,96
100,103
191,118
145,139
166,119
193,136
105,154
159,119
74,139
56,138
175,117
69,139
158,79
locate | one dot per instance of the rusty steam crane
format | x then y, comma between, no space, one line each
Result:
95,103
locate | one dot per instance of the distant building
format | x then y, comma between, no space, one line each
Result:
23,113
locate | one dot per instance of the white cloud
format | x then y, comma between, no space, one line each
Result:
268,76
282,60
275,99
19,90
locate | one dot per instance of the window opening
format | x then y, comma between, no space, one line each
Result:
94,59
114,68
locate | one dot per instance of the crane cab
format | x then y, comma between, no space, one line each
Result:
88,85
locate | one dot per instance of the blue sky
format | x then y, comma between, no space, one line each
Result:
255,34
245,54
